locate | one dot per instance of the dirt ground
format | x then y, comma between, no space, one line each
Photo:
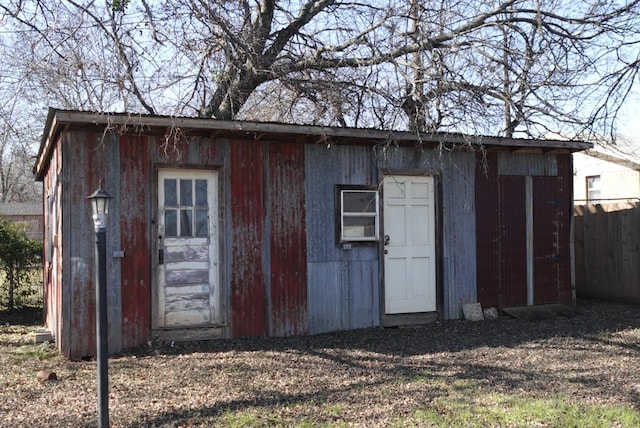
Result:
371,377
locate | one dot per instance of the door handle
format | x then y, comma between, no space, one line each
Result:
160,256
386,239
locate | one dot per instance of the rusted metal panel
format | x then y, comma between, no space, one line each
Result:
343,285
551,252
512,280
565,193
503,264
247,205
487,230
83,160
533,164
89,159
299,279
134,206
52,266
287,237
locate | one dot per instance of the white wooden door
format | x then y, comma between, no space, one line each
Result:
188,277
409,233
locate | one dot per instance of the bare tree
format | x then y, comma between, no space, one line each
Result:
16,160
501,67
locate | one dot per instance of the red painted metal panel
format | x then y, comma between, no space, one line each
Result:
500,236
247,293
288,249
135,179
512,239
487,229
565,194
551,253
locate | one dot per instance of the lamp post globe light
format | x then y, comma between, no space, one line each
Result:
100,209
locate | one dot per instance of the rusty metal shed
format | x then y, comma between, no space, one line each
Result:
222,229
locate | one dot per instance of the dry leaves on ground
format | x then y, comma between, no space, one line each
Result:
371,377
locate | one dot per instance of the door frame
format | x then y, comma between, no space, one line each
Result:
394,320
189,333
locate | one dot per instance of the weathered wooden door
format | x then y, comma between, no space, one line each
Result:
188,277
409,234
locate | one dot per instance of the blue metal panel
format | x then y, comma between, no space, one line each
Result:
459,231
363,294
112,183
343,295
326,307
343,284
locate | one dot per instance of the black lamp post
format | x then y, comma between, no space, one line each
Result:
100,207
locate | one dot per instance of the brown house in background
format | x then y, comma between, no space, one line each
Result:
27,213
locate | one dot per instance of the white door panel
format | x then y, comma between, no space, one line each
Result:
188,286
409,261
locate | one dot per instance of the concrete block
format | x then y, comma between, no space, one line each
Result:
472,312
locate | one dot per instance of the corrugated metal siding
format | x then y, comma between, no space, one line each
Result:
487,227
287,237
565,189
136,178
458,234
343,285
248,292
551,246
456,172
83,161
53,262
502,258
534,164
299,280
512,280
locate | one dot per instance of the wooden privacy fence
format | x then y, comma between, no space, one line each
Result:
607,251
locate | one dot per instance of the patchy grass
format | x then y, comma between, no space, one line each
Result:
472,406
581,371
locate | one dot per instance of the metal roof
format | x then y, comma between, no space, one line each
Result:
130,123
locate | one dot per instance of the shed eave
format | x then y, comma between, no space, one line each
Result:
46,145
260,130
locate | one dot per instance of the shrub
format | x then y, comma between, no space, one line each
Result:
18,254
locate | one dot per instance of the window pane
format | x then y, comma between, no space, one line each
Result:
201,193
170,192
186,221
359,227
358,202
171,223
186,193
202,223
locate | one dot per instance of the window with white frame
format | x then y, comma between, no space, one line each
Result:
593,189
358,214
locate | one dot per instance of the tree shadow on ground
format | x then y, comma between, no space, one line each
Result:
592,320
28,316
431,360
